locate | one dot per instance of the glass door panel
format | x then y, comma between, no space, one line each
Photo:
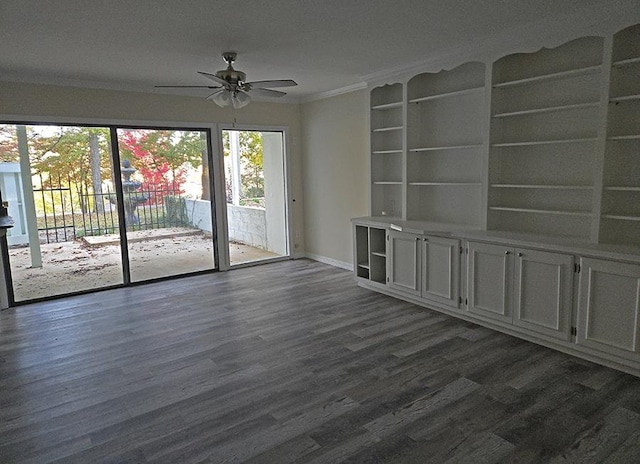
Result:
255,185
58,185
167,202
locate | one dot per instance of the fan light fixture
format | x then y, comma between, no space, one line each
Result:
235,98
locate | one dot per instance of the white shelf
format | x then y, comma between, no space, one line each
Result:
388,129
624,137
387,182
543,186
446,95
549,109
363,265
387,106
377,253
540,211
622,189
542,142
624,98
449,147
551,76
446,184
622,218
626,62
386,152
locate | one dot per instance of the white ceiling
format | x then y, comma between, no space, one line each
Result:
322,44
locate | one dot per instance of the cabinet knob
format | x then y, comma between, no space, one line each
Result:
417,239
520,254
425,239
506,252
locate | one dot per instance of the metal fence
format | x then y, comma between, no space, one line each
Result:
68,212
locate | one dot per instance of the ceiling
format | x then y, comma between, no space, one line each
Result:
324,45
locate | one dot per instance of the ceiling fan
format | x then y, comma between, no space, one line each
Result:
232,87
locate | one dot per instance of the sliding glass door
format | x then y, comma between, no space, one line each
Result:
97,207
58,185
256,194
167,202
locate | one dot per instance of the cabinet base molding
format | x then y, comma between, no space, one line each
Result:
569,348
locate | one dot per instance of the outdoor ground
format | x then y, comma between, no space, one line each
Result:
76,266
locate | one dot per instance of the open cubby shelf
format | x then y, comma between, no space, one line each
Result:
455,93
546,142
627,62
551,76
543,186
548,109
451,147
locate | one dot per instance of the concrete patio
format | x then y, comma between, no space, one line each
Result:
95,262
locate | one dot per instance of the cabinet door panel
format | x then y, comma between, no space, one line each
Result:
489,280
441,270
404,261
609,307
543,286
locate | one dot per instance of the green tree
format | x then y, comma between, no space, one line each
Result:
251,157
68,161
251,161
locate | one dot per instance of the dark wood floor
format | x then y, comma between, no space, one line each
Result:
291,362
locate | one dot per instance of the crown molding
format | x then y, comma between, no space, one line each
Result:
334,93
523,39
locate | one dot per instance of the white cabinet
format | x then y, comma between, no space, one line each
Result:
489,280
543,291
404,262
440,273
425,266
609,307
527,288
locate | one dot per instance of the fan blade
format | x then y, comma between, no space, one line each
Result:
214,78
267,92
187,86
279,83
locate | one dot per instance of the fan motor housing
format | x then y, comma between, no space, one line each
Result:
231,75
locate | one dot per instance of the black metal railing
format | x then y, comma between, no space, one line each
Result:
67,211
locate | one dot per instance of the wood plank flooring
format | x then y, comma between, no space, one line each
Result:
293,363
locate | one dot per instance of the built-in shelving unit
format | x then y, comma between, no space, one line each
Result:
543,143
387,150
445,141
620,219
533,167
371,254
544,133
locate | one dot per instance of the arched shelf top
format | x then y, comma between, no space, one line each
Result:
576,57
386,96
458,81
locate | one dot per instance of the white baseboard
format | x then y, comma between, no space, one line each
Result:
330,261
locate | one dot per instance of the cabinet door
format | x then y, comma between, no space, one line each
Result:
404,262
489,280
543,289
609,307
441,270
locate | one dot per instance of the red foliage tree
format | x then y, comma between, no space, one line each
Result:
158,158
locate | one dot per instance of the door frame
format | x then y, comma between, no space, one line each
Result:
223,221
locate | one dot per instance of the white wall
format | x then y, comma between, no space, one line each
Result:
334,153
